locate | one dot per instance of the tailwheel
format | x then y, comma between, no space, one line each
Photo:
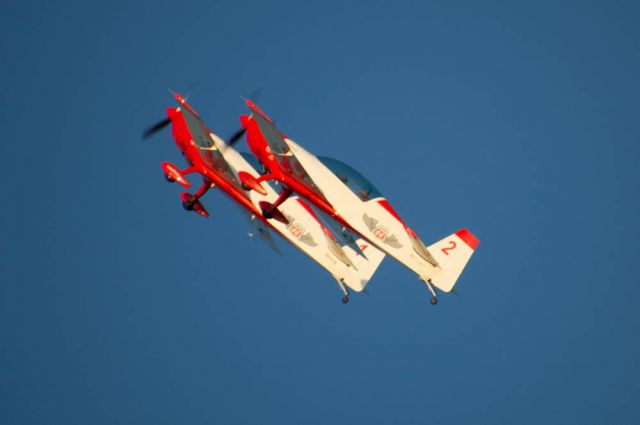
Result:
345,291
434,298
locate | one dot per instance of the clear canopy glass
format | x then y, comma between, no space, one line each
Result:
355,181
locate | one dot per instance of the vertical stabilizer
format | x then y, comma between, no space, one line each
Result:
452,254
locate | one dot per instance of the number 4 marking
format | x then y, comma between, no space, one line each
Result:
446,249
362,248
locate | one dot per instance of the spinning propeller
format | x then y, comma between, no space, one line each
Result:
150,131
236,136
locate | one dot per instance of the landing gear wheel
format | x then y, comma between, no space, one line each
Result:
169,179
269,212
192,203
434,300
345,299
245,187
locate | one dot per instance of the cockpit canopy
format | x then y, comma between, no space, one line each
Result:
355,181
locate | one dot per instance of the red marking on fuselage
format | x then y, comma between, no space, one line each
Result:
296,231
385,204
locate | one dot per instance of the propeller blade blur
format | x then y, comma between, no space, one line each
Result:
255,95
155,128
238,134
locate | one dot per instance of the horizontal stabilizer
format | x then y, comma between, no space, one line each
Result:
365,262
362,258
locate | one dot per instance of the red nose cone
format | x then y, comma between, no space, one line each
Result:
244,121
171,112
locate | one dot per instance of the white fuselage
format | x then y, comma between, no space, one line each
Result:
369,218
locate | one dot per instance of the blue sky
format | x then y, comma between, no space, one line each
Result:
516,120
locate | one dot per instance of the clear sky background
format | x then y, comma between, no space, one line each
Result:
518,120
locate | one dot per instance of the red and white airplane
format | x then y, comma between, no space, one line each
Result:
346,196
219,165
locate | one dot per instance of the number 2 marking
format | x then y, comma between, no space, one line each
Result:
446,249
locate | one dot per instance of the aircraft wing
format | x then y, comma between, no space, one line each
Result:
307,233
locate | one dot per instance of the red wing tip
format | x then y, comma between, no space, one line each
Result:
468,238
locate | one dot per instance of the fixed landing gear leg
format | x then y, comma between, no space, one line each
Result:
345,291
203,189
189,170
284,195
272,211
